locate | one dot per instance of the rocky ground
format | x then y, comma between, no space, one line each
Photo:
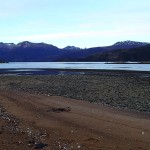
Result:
124,90
39,112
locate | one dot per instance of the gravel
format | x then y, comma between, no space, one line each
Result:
122,90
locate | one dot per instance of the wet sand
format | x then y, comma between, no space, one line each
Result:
28,119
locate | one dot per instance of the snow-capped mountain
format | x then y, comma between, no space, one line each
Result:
7,45
71,48
24,44
28,51
27,44
128,44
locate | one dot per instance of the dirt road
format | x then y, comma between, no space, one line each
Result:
52,122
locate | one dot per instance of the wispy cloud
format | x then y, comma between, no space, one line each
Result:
85,34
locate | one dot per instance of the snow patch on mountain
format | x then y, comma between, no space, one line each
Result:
71,48
129,44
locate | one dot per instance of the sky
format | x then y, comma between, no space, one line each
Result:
80,23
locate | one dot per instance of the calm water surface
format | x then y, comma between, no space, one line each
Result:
28,67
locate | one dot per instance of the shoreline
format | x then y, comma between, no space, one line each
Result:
123,89
47,71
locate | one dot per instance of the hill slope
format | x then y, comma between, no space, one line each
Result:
27,51
133,54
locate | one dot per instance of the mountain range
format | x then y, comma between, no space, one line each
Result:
33,52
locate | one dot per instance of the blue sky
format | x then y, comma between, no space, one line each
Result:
82,23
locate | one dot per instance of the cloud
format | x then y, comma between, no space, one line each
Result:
81,35
83,39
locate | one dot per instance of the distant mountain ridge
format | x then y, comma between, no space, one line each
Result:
128,44
27,51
